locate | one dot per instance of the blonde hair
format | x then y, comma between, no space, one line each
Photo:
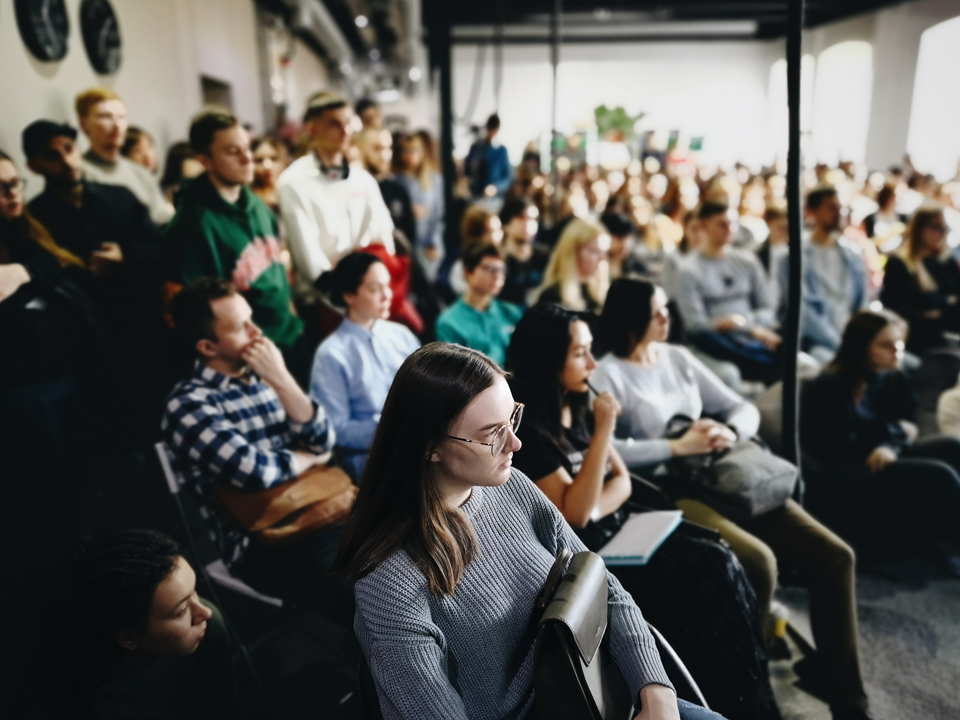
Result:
909,251
562,268
423,174
86,100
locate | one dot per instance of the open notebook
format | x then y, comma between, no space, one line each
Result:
640,536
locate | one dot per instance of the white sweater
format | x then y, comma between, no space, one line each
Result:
327,219
136,178
678,384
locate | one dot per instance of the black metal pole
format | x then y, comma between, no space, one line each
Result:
555,19
791,328
443,48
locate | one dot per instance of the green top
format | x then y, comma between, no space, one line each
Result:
210,237
489,331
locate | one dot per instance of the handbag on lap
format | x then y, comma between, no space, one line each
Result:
318,499
742,482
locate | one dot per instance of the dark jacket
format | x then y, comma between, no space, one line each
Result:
836,432
210,237
902,293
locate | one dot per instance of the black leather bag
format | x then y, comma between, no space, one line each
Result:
574,675
741,483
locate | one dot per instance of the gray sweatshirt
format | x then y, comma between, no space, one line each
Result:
678,384
470,655
733,284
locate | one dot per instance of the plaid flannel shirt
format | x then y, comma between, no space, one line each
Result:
234,430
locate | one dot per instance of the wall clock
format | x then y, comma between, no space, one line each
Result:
44,26
101,35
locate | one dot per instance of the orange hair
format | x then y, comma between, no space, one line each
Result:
86,100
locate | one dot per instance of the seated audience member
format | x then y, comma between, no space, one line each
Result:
478,225
241,421
269,160
653,382
568,452
181,164
479,319
222,229
376,154
948,411
449,545
724,301
110,232
424,185
369,112
834,278
45,327
921,282
487,164
692,240
775,248
329,208
103,119
886,219
868,473
577,274
139,147
354,367
141,640
526,261
621,257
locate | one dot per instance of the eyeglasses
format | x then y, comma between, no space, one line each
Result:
494,269
500,435
11,187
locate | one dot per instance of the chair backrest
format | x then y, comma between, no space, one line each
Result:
574,675
173,478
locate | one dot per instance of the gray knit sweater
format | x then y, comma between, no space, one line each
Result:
470,655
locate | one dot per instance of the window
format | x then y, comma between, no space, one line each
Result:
841,102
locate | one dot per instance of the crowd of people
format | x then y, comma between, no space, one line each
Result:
273,313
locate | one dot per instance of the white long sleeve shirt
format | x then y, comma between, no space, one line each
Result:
678,384
327,218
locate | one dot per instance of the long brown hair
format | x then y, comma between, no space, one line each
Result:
852,361
399,506
40,235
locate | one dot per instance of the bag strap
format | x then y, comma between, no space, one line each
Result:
554,578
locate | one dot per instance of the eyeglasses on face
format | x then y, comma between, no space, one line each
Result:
9,188
500,434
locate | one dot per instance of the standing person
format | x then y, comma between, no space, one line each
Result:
141,148
834,278
328,207
376,154
142,642
868,471
269,160
487,164
921,282
179,166
223,230
577,274
448,544
479,320
724,300
526,261
425,188
103,119
354,367
369,112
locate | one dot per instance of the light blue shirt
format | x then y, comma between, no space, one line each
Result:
352,373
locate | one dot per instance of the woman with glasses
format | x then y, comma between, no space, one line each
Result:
354,367
921,282
450,546
479,319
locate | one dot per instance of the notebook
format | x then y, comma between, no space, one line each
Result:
640,536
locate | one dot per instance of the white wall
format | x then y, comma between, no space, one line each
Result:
714,89
167,46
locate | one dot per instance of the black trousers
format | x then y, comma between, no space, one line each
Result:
912,504
300,575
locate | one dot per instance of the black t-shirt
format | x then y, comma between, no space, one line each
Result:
542,454
524,276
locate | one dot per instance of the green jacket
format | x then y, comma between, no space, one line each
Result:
210,237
